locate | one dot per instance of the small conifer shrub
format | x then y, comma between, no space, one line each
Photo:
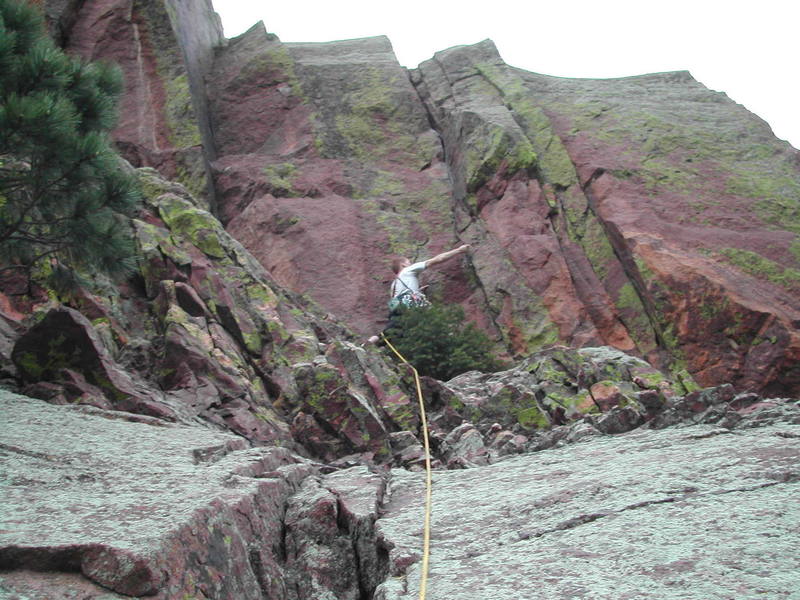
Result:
440,343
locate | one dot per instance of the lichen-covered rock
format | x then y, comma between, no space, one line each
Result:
137,506
350,421
64,348
552,387
464,447
693,512
694,276
371,374
328,165
331,547
208,335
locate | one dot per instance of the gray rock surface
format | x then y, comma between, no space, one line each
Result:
695,513
137,506
98,504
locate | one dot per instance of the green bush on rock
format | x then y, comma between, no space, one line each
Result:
439,342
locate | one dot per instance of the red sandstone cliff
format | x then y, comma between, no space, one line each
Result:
647,213
190,432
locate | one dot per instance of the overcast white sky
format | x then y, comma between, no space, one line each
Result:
749,50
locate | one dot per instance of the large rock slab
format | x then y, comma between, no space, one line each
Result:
98,500
698,201
327,166
690,513
648,213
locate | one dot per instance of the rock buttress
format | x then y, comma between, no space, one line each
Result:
647,213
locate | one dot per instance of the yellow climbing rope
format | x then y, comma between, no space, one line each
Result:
426,532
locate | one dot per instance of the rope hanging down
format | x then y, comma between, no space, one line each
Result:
426,535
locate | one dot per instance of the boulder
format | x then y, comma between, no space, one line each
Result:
552,387
64,346
407,450
464,447
346,421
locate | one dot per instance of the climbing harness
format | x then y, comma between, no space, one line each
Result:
407,298
426,534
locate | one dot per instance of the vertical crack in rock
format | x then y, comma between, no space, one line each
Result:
419,84
144,106
331,545
357,514
256,564
492,118
351,530
626,260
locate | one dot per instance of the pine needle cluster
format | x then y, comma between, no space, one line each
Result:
440,343
63,193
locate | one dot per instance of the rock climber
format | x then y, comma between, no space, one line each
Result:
405,290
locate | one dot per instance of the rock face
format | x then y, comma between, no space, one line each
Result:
104,504
136,506
688,513
327,165
165,49
211,427
622,212
646,213
640,222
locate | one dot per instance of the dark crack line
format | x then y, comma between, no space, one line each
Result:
439,128
591,517
625,258
30,453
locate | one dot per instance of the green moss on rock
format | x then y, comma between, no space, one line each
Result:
762,268
794,248
488,146
684,383
183,129
200,227
374,120
281,178
635,317
595,244
549,153
273,66
533,418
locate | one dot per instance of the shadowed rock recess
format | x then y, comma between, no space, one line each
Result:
213,428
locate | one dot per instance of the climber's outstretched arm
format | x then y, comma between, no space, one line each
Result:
440,258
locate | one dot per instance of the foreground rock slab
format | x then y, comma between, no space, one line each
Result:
97,501
686,513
